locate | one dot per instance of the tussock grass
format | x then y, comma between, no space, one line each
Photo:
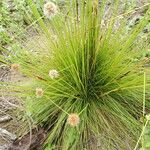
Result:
98,77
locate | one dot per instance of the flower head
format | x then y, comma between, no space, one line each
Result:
50,9
73,119
15,67
53,74
39,92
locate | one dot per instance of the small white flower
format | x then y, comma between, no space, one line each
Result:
73,119
53,74
50,9
39,92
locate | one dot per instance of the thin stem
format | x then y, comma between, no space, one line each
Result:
59,107
83,109
141,135
123,88
77,9
144,126
144,89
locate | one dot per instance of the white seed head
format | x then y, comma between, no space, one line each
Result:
73,119
50,10
39,92
53,74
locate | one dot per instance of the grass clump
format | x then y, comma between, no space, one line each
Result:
84,82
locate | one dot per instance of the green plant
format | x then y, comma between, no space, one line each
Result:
15,16
12,22
96,77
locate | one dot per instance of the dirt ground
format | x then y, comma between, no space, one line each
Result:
6,108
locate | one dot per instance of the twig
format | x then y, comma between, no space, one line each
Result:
5,118
5,133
